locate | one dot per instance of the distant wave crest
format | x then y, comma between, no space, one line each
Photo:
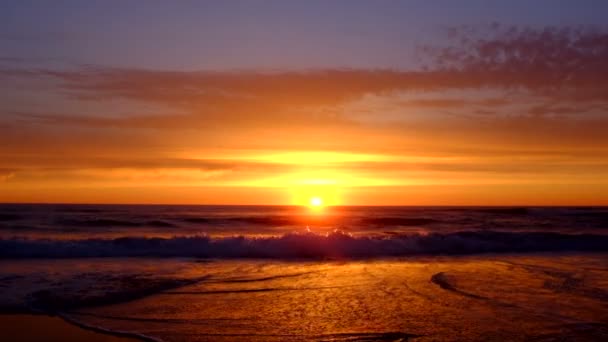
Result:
306,245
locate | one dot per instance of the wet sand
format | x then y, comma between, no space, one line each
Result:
535,297
39,328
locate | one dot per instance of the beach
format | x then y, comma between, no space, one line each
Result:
23,327
542,297
265,274
304,171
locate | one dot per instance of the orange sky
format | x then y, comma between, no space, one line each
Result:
478,130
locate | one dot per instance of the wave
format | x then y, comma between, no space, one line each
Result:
138,222
118,333
443,281
52,300
273,220
505,211
306,245
105,223
9,217
398,221
367,336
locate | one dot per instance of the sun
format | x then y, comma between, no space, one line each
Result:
315,197
316,202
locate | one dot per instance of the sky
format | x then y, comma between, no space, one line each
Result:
275,102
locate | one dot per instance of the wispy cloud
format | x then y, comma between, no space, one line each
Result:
489,90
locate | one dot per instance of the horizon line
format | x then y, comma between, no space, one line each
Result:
298,205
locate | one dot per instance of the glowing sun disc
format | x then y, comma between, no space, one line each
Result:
316,202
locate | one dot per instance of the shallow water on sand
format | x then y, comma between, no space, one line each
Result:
541,297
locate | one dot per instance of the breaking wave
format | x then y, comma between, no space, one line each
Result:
306,245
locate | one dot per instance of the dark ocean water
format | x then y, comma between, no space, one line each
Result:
294,232
270,274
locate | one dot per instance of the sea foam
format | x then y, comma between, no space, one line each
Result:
306,245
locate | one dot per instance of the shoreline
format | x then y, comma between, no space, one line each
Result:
31,327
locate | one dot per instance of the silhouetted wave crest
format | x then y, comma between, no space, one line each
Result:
306,245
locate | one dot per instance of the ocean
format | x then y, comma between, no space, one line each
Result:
284,273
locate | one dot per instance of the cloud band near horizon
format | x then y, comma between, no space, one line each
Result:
495,107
